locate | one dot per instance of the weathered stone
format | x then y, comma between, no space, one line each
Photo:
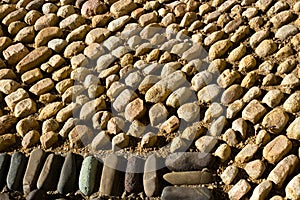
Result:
122,7
247,63
219,48
8,86
50,110
255,168
34,59
292,104
34,166
13,16
57,44
97,35
47,20
115,125
48,139
276,120
291,188
101,141
171,192
14,53
25,107
273,98
261,191
188,161
30,139
72,22
80,135
133,175
246,153
282,18
266,48
239,190
135,110
277,149
47,34
254,111
229,174
283,169
120,141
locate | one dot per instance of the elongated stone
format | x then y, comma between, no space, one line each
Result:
134,176
68,175
189,178
151,178
37,194
50,173
188,161
200,193
112,178
16,171
87,177
34,167
4,166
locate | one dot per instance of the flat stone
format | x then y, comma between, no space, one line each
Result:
273,98
133,175
282,18
97,35
189,112
57,44
171,192
291,188
112,178
170,125
188,178
283,169
4,166
13,16
277,149
101,141
258,37
231,94
120,141
87,177
118,23
67,127
292,132
50,172
188,161
16,171
34,59
277,119
32,76
151,179
239,190
68,175
227,78
35,163
262,190
50,110
123,99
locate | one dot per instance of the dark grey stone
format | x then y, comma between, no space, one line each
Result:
200,193
189,161
49,176
16,171
4,166
112,179
37,195
134,175
34,166
68,175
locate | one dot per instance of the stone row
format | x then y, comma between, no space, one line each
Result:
113,175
